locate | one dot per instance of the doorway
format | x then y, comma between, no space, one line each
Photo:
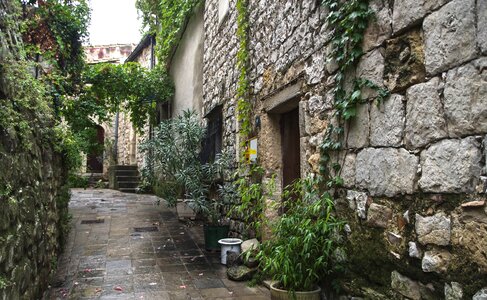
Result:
94,160
290,147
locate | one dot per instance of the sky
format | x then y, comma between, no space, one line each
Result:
114,22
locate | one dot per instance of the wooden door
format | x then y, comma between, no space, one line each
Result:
290,149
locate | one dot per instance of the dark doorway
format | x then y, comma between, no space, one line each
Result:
290,149
94,161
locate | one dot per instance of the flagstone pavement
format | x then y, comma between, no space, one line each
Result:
126,246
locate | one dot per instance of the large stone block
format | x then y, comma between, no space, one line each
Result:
465,97
434,229
410,12
451,166
380,27
386,171
358,128
371,67
405,286
404,58
387,122
424,115
450,36
482,25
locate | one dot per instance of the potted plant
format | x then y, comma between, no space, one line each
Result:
304,239
174,169
172,165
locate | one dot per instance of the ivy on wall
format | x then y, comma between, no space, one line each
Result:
349,19
244,107
165,19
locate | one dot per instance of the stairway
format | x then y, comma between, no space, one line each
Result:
123,178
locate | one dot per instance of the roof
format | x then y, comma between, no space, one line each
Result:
144,42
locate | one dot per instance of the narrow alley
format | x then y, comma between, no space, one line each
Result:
125,246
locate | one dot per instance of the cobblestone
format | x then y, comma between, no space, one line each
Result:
125,246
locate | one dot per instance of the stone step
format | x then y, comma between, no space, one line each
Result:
127,184
126,173
128,178
125,167
127,190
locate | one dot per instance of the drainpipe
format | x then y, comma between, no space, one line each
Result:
115,141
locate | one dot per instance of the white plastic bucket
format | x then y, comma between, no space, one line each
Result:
229,244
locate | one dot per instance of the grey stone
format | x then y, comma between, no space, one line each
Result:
387,122
358,201
248,245
405,286
358,128
371,67
480,295
434,229
378,215
409,12
348,170
240,273
233,258
386,171
450,36
380,27
466,99
453,291
436,261
482,25
451,166
414,251
424,115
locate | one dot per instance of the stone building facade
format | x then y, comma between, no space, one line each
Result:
414,166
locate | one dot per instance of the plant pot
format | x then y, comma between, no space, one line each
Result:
184,210
214,233
229,244
278,294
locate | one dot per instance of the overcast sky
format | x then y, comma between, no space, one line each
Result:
114,22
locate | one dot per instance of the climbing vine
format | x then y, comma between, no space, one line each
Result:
349,20
165,19
244,106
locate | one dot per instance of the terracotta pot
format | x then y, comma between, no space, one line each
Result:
278,294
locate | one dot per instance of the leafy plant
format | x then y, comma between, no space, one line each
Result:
304,239
175,169
165,19
248,197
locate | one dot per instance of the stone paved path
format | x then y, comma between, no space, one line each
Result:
124,246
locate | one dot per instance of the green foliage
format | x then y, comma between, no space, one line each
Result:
305,239
165,19
127,87
4,283
349,19
248,199
77,181
56,29
175,169
244,107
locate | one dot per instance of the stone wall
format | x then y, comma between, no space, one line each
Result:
33,203
414,166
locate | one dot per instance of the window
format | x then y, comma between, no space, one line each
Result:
212,144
